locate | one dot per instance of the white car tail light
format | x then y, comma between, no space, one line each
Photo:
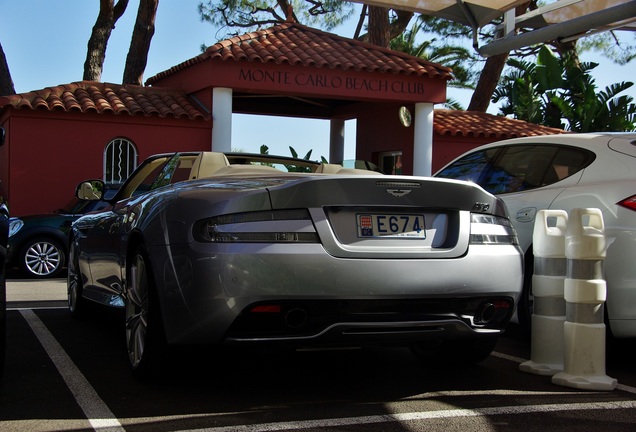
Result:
629,203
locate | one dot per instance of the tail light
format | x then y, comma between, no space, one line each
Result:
492,230
276,226
629,203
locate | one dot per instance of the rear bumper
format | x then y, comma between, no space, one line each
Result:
372,333
203,288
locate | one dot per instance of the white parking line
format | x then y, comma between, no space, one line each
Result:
507,357
96,411
102,419
429,415
418,416
513,359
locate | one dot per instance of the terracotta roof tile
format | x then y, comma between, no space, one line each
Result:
148,101
89,96
70,102
480,124
296,44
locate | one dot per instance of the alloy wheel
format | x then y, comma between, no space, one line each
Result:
43,258
137,311
74,284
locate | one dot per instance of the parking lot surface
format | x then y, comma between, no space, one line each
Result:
63,374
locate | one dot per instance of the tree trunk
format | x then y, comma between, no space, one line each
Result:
488,80
108,15
568,52
361,18
379,29
381,18
140,43
401,23
6,83
489,77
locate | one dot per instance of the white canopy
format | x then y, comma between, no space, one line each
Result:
560,19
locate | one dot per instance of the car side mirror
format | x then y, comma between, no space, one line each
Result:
90,190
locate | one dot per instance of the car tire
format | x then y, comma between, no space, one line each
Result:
42,258
456,352
145,336
76,303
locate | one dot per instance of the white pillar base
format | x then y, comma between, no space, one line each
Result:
584,366
599,382
546,358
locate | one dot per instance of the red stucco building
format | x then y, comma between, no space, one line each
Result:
61,135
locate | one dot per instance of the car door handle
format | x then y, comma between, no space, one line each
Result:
526,214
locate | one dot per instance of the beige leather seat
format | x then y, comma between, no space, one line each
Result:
87,192
328,168
207,163
249,170
357,171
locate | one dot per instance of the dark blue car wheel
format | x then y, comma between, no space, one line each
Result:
42,258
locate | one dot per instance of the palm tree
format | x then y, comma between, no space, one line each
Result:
587,110
452,56
518,90
560,92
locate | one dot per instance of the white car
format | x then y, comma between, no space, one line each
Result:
565,172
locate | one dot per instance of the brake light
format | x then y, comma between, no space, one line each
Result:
629,203
276,226
492,230
267,309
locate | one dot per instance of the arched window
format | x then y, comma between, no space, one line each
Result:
120,160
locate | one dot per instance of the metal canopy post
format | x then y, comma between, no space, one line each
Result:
576,26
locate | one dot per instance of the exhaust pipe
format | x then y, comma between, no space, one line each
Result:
485,313
296,318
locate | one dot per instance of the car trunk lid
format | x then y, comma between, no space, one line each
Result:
387,217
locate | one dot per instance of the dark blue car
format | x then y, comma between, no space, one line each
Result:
38,243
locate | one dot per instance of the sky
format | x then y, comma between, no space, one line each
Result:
45,45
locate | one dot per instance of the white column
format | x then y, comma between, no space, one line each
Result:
222,119
336,140
423,139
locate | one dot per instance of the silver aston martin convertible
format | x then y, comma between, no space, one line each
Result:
237,249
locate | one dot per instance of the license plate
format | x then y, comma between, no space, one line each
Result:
391,225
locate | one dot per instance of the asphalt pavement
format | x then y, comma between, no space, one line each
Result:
68,374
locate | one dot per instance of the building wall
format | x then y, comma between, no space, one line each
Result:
380,131
49,153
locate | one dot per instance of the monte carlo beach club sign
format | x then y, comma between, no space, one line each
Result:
285,78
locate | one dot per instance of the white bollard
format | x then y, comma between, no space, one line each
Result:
585,293
548,316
